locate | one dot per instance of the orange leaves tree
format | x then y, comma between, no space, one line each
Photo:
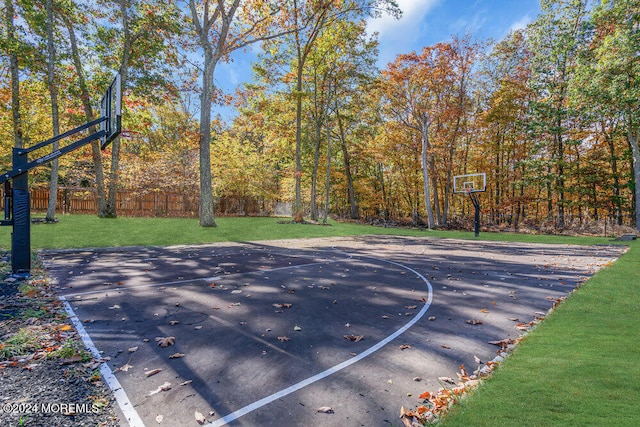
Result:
426,93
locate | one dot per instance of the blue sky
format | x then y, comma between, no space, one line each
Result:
424,22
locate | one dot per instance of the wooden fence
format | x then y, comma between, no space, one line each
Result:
129,203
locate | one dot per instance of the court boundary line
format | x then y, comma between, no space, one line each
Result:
124,403
129,410
330,371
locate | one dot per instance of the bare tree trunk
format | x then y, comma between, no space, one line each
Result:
353,206
297,205
206,188
314,175
327,184
18,138
632,138
88,113
425,175
53,93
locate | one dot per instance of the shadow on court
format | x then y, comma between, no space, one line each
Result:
266,333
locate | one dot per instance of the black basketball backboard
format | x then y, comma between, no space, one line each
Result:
111,110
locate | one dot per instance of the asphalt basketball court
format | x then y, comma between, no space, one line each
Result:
266,333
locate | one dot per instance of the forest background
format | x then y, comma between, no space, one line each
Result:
550,112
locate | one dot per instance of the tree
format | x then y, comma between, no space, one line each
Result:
140,40
222,27
12,47
555,38
71,18
613,73
52,84
307,20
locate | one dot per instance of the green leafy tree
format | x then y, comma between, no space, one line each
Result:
555,38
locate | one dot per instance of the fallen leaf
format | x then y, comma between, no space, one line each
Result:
132,349
165,341
474,322
200,418
484,310
445,346
197,328
477,359
283,339
325,409
124,368
176,355
65,328
297,328
186,382
411,307
113,307
159,418
404,347
73,359
447,380
174,322
432,318
164,387
153,372
354,338
426,395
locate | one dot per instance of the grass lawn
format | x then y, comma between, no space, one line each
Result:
82,231
579,367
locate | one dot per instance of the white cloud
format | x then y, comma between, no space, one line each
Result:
520,23
413,11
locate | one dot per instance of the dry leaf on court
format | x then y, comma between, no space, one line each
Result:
283,339
354,338
153,372
159,418
326,409
404,346
132,349
174,322
124,368
474,322
297,328
200,418
165,341
176,355
477,359
183,383
164,387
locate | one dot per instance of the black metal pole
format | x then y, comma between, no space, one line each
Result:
476,218
21,236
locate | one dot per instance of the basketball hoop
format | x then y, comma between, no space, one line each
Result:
470,184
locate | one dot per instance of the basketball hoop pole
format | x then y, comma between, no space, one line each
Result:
18,198
476,217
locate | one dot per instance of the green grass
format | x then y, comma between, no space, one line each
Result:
85,231
579,367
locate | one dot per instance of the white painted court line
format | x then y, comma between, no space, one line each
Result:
265,401
121,397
